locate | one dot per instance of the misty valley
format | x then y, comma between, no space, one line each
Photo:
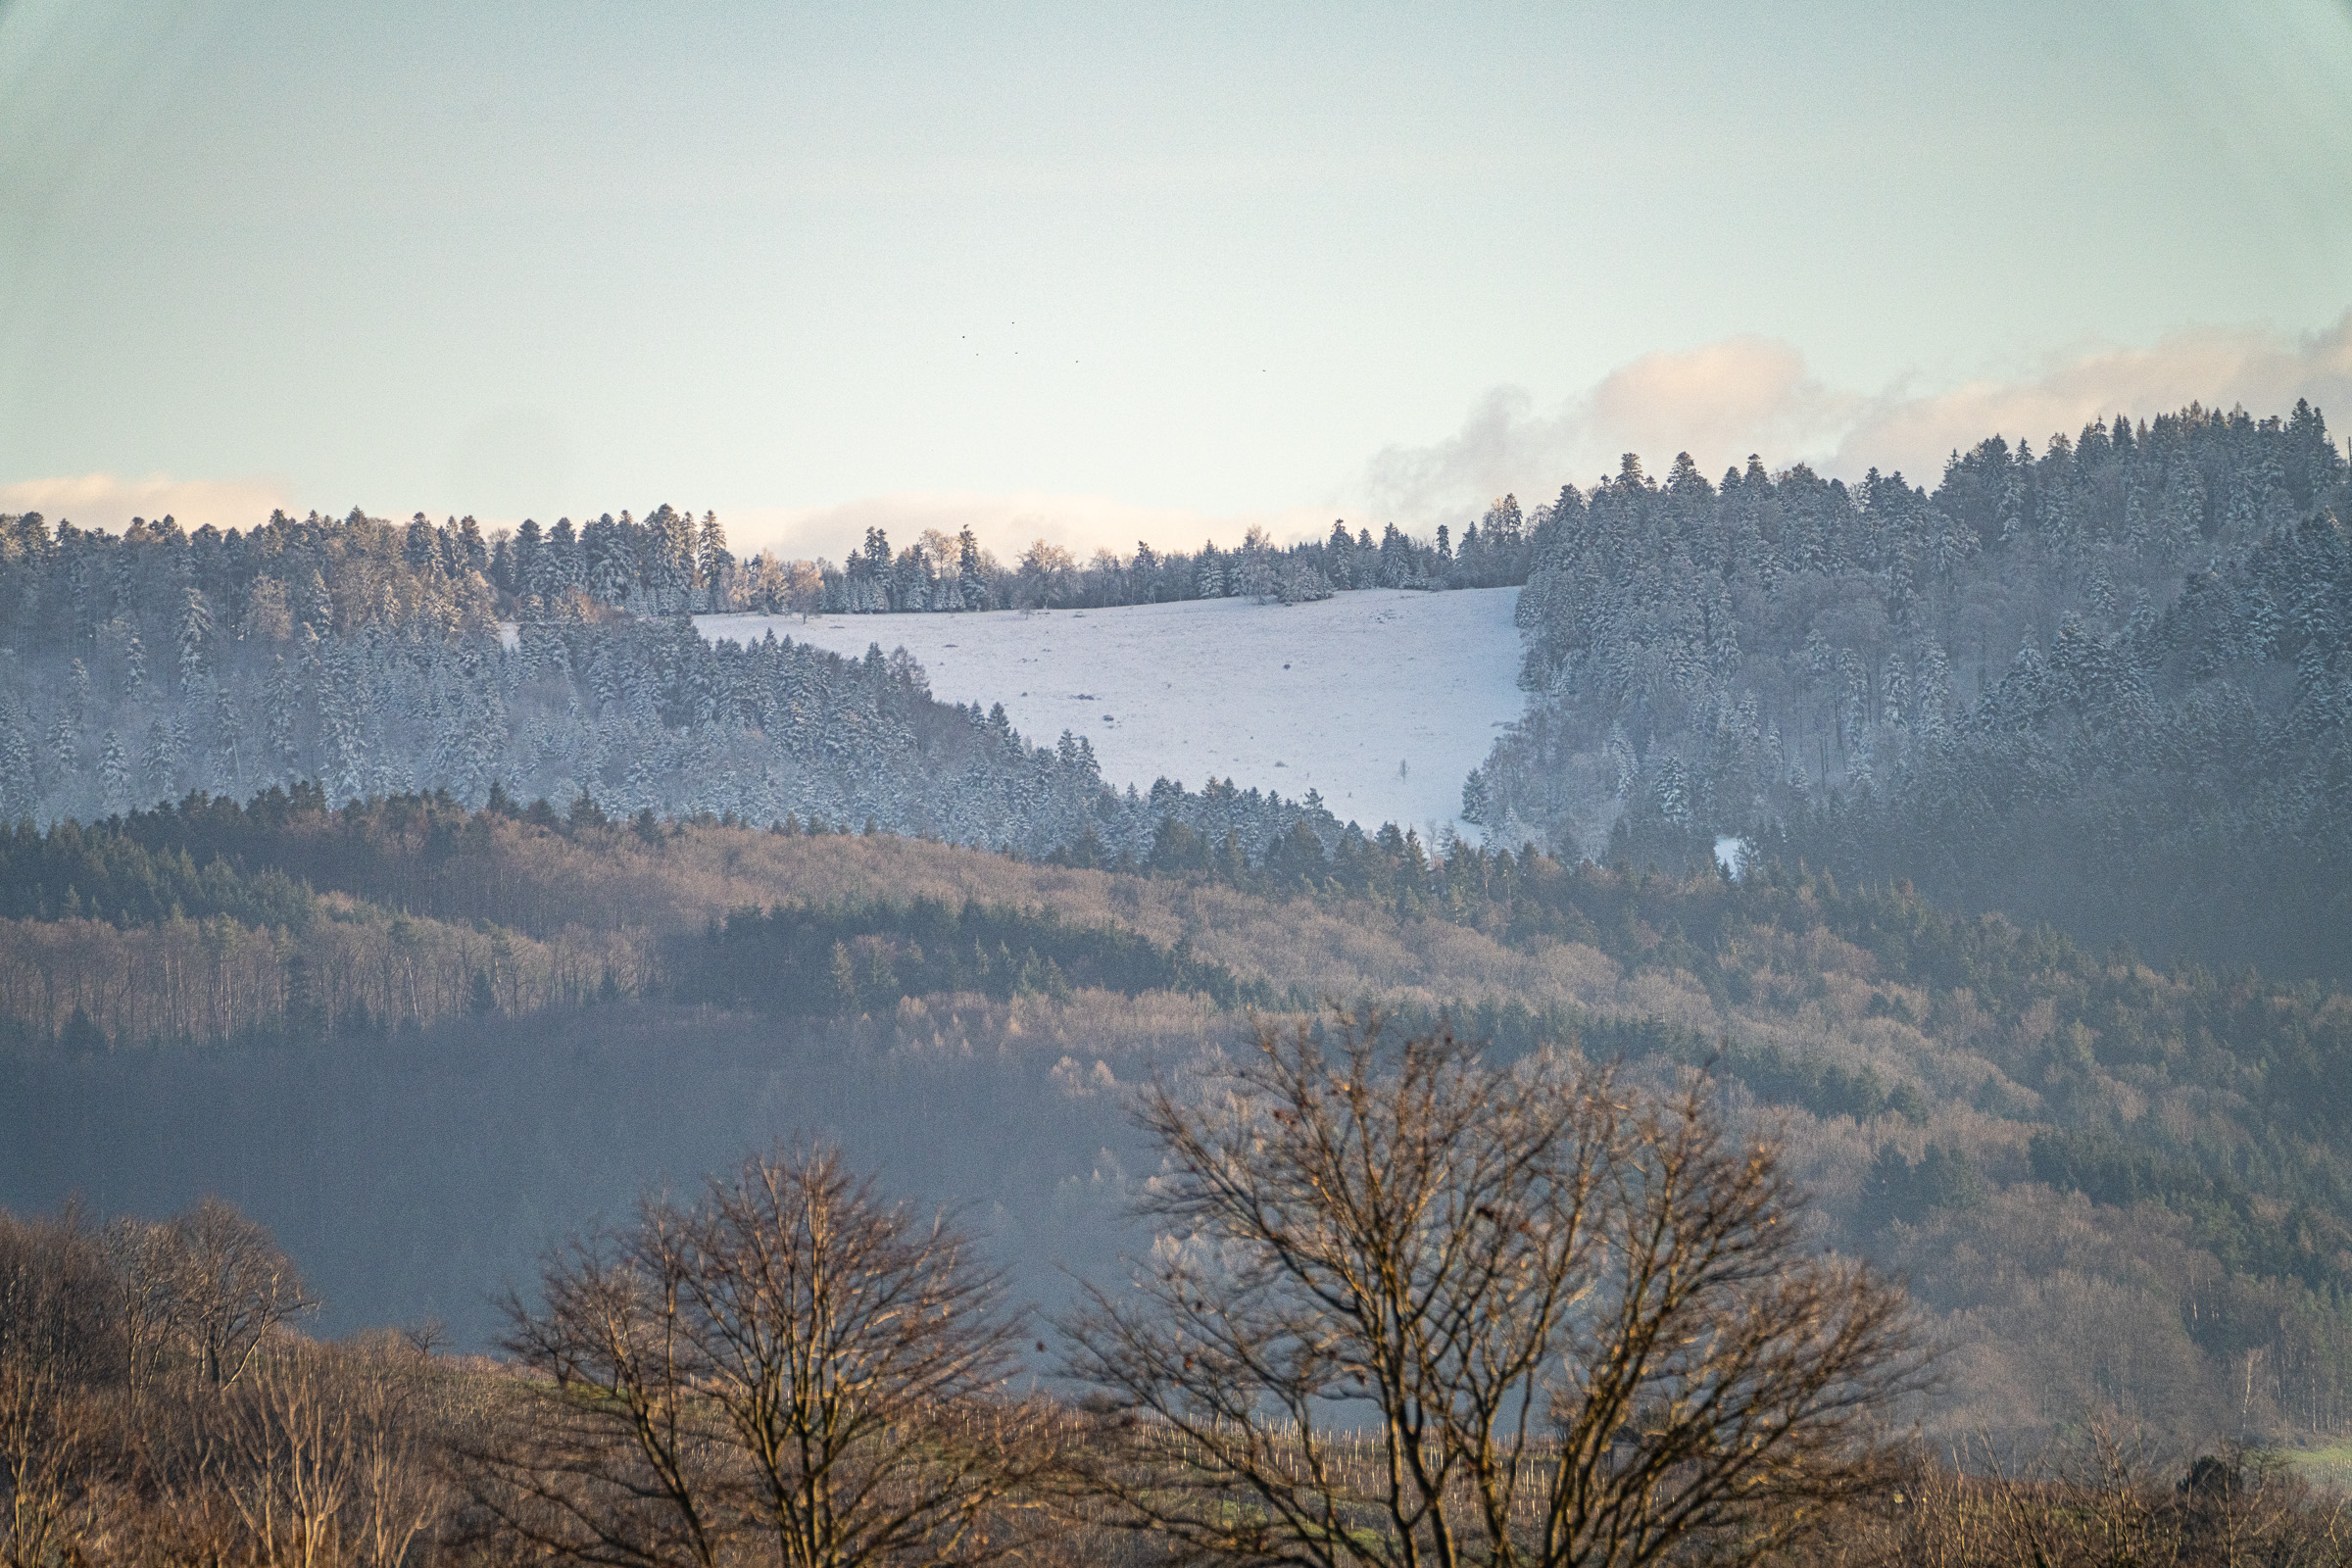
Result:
1882,1001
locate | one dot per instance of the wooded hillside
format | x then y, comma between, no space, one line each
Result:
2103,686
2119,1188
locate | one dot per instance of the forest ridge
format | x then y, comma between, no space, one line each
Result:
2101,684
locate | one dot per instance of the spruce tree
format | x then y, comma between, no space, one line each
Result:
113,775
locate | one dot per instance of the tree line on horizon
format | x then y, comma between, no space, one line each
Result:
318,575
944,572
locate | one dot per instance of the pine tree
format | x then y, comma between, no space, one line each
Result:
228,771
1212,573
419,547
969,577
113,775
65,752
19,789
714,564
159,762
566,566
195,635
472,555
284,692
318,606
528,562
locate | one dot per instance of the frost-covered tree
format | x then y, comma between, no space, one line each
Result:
195,637
113,775
1889,641
20,785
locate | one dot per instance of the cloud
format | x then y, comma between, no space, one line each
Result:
1719,402
2220,367
107,500
1724,399
1005,523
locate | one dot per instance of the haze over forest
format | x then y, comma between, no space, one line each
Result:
1702,640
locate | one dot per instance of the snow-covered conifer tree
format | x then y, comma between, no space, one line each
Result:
113,775
195,637
19,790
159,762
64,751
227,745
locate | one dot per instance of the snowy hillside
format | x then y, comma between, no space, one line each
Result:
1383,700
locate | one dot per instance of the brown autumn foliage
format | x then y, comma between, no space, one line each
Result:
199,982
156,1408
567,914
2058,1307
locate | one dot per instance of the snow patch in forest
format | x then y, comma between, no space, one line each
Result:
1383,700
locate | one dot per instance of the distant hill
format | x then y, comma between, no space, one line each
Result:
417,1041
2104,686
365,657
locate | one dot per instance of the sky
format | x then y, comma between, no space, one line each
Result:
1099,273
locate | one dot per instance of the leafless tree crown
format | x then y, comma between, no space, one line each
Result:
232,1284
786,1370
1412,1306
153,1409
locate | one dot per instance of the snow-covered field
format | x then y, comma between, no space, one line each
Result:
1383,700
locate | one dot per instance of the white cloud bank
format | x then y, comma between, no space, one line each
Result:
1725,400
1719,402
107,500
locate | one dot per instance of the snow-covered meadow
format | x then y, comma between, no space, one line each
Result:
1383,700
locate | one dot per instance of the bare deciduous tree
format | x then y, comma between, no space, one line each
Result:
57,1297
231,1285
254,1447
1411,1306
148,1269
2096,1500
50,1495
788,1366
320,1457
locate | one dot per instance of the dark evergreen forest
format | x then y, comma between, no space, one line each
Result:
2103,685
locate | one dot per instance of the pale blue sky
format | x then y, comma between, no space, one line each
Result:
1196,263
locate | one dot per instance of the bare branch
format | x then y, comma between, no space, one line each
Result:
788,1364
1411,1306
